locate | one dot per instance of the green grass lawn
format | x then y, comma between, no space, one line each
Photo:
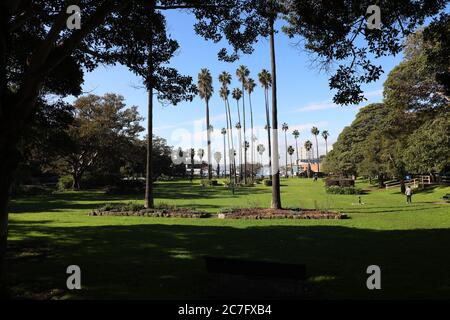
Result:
160,258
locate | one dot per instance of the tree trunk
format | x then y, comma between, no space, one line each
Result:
208,136
245,137
317,152
149,202
252,155
76,183
225,154
381,181
276,196
285,142
192,168
269,143
402,186
232,156
9,159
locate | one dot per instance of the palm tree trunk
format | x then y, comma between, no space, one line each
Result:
251,137
296,149
326,147
269,144
240,142
228,138
292,168
192,167
208,136
285,142
232,157
240,154
224,154
245,138
276,196
317,152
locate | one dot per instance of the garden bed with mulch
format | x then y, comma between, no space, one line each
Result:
140,211
261,213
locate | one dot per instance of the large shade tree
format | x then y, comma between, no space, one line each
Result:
39,55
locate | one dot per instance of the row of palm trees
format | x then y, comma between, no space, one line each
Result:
248,85
205,87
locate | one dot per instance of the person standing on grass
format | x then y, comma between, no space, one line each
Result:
408,193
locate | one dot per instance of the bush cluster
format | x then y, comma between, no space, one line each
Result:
209,183
126,187
267,182
343,190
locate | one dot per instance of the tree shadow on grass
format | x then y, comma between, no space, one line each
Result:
156,261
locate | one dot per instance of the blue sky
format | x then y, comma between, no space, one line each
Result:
304,99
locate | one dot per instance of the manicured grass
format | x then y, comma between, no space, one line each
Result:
160,258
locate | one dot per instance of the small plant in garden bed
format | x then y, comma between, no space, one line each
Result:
260,213
133,209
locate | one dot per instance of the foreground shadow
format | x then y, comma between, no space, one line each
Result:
155,261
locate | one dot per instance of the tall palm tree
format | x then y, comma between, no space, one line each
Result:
296,135
237,95
291,152
249,87
325,135
316,132
225,80
265,79
285,128
201,154
242,73
276,194
205,90
308,147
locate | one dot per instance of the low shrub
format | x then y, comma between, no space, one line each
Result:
248,184
267,182
32,190
259,180
209,183
130,206
164,177
343,190
65,182
339,182
126,187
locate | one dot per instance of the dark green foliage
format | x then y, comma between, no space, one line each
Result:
343,190
267,182
209,183
65,182
126,187
340,182
336,31
32,190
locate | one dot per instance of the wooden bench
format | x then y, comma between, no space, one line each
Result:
250,279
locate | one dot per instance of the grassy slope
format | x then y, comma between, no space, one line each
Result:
161,258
